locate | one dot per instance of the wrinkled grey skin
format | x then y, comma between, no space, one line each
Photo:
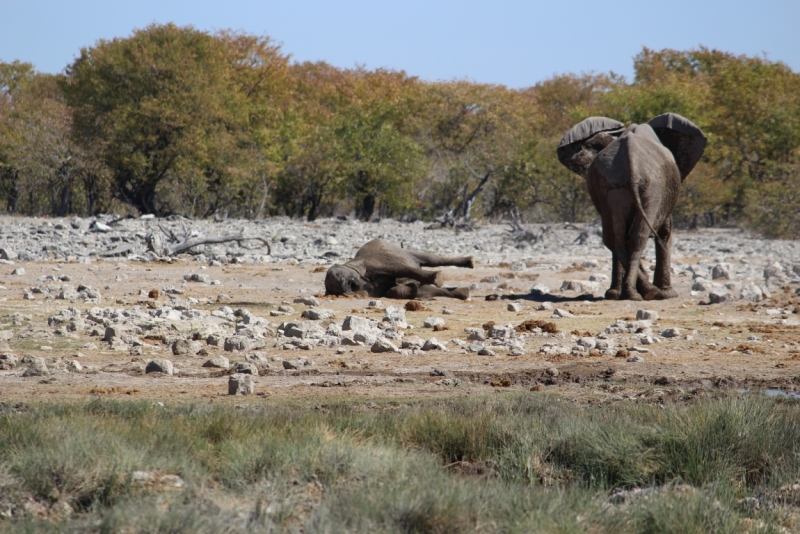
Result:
634,176
381,269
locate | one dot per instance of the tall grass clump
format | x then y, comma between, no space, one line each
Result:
546,464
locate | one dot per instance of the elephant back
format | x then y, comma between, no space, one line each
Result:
582,142
682,137
634,158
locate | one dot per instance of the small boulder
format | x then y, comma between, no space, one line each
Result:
247,368
432,322
317,314
718,296
184,346
384,345
354,322
159,365
308,301
433,344
560,313
646,315
241,384
37,368
670,332
219,362
721,271
395,317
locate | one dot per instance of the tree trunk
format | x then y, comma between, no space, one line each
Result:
367,208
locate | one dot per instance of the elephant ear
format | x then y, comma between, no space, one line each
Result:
682,137
582,142
359,266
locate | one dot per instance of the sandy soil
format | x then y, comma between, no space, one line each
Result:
678,366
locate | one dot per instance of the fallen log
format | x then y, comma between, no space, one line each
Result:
155,243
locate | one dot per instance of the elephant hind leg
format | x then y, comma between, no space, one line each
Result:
646,289
429,292
434,260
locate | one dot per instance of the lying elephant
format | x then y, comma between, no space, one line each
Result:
634,176
381,269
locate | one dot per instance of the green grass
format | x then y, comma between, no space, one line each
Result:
348,468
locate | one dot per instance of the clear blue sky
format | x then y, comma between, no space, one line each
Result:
512,42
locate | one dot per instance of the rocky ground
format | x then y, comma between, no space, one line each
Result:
100,307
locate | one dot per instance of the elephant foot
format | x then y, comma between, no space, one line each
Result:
470,263
630,295
437,279
666,293
613,294
461,293
651,294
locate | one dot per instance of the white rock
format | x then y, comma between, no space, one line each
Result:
241,384
646,315
431,322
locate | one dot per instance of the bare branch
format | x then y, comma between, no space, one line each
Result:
197,241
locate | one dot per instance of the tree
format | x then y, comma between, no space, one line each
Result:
49,172
170,105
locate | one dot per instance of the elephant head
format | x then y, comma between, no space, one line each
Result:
347,279
581,144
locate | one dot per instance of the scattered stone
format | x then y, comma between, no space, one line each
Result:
384,345
754,292
395,317
317,314
539,289
502,332
194,277
514,307
719,296
184,346
433,344
560,313
219,362
476,334
302,329
37,368
354,322
308,301
247,368
635,359
433,322
583,286
19,271
721,271
670,332
241,384
243,343
646,315
159,365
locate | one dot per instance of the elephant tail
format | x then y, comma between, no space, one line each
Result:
637,198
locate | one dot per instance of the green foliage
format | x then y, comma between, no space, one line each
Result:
550,466
172,108
173,119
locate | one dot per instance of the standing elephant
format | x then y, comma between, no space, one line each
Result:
381,269
634,175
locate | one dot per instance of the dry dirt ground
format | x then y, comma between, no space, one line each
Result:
721,353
